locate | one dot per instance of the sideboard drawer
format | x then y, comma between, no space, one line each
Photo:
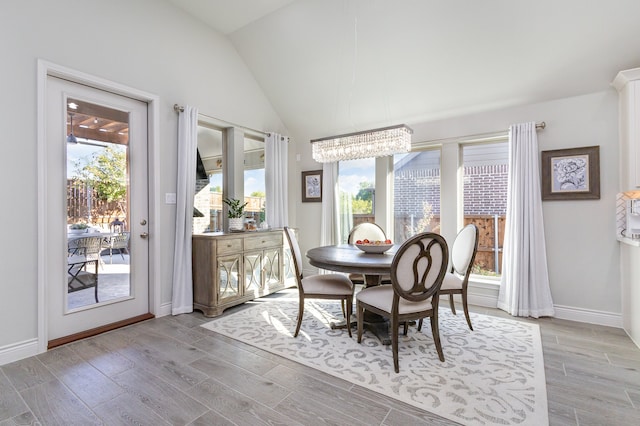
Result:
259,242
229,246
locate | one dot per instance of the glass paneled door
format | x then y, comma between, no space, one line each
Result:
97,198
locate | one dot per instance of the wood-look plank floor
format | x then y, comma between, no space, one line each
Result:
171,371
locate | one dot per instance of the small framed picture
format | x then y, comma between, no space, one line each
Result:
571,174
312,186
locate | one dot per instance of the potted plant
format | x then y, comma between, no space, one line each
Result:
235,214
78,228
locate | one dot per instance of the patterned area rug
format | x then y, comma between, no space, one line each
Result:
493,375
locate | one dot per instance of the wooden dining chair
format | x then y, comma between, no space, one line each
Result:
463,254
372,232
456,281
417,271
325,286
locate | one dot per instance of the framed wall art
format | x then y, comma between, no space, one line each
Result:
571,174
312,186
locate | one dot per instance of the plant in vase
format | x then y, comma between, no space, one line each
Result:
235,214
78,228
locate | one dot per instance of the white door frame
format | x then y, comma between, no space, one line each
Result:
45,69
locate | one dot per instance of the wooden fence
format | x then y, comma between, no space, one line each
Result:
83,206
490,229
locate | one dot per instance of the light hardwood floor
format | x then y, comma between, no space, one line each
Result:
171,371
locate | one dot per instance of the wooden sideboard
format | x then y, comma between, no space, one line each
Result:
233,268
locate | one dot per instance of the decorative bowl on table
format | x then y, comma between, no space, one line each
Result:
377,247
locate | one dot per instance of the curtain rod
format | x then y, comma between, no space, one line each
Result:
487,135
179,108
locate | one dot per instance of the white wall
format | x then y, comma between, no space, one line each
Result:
154,47
145,44
582,251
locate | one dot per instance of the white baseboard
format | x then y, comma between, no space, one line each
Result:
482,295
165,309
482,300
18,351
589,316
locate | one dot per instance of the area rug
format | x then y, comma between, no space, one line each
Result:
492,375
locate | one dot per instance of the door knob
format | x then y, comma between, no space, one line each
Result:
144,235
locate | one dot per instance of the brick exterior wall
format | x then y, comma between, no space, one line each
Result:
485,191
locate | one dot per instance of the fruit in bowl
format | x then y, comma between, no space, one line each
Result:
375,246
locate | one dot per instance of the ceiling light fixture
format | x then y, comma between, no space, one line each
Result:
365,144
71,138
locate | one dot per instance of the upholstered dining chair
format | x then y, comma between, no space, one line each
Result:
325,286
417,271
368,230
372,232
463,254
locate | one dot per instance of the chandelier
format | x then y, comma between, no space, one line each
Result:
366,144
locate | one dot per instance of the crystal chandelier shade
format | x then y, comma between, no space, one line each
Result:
366,144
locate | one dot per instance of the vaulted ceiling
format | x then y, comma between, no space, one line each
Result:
333,66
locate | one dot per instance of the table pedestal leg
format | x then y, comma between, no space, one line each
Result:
376,324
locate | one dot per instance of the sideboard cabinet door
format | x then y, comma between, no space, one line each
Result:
228,274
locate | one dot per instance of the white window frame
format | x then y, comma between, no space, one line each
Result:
451,188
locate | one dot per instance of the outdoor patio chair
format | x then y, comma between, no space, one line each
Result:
118,242
86,251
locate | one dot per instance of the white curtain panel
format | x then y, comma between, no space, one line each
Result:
182,296
524,288
329,227
276,180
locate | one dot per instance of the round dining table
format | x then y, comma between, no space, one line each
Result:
350,259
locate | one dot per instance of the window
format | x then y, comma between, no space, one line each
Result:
254,181
416,195
485,168
212,172
442,188
207,204
356,183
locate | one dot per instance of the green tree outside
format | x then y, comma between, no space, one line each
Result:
105,173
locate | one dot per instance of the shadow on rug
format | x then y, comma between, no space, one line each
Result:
493,375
